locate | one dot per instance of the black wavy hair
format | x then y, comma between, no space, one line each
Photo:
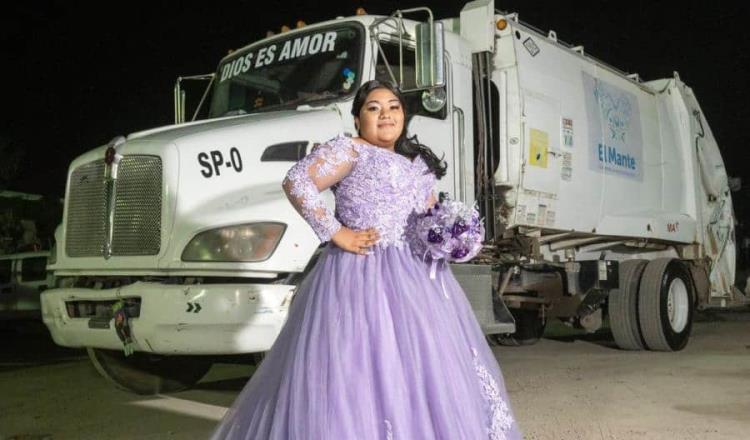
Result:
405,145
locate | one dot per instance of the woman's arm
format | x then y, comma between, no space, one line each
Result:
427,184
431,200
325,166
322,168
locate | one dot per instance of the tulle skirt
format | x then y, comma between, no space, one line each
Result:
375,347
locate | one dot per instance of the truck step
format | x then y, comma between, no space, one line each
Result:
499,328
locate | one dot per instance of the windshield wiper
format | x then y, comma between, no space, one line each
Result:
234,112
288,105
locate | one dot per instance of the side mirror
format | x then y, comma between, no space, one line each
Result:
179,103
179,96
430,56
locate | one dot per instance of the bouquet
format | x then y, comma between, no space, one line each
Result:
449,231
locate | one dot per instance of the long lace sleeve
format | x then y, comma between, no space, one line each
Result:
322,168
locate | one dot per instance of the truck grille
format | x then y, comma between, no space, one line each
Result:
87,211
137,208
137,220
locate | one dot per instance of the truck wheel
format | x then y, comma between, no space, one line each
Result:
529,328
666,301
146,374
623,306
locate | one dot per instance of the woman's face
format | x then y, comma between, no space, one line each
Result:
381,118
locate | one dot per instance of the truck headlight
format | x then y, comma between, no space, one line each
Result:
238,243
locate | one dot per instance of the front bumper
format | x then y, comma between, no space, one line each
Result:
213,319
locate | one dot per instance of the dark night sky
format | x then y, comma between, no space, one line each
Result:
74,75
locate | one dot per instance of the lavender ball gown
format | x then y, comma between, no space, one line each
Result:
373,347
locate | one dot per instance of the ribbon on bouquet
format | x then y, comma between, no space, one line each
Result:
433,274
449,231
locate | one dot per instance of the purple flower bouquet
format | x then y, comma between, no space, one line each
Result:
449,231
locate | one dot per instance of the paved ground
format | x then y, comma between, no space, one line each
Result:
584,388
569,386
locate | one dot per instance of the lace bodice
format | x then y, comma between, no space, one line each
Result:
373,187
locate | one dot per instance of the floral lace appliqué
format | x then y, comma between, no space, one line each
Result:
374,188
383,189
388,430
501,421
323,166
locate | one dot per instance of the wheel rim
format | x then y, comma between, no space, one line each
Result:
678,305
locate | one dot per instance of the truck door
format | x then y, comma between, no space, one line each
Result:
32,280
33,272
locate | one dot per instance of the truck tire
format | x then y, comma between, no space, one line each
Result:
529,329
623,306
666,301
147,374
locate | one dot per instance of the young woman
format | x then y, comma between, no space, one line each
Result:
374,347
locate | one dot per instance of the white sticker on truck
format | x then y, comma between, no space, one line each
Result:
567,132
520,213
301,46
566,173
550,218
614,126
541,214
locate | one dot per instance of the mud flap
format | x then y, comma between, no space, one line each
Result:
476,281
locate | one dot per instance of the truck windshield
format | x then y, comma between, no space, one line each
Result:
303,68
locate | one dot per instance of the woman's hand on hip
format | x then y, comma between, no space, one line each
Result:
358,242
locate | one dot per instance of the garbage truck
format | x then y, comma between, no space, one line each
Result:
604,196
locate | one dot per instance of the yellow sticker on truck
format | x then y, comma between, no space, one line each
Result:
538,147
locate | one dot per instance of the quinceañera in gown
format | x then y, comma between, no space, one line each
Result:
377,345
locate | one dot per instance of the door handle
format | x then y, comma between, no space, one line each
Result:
461,155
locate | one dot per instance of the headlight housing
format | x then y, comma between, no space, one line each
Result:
237,243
